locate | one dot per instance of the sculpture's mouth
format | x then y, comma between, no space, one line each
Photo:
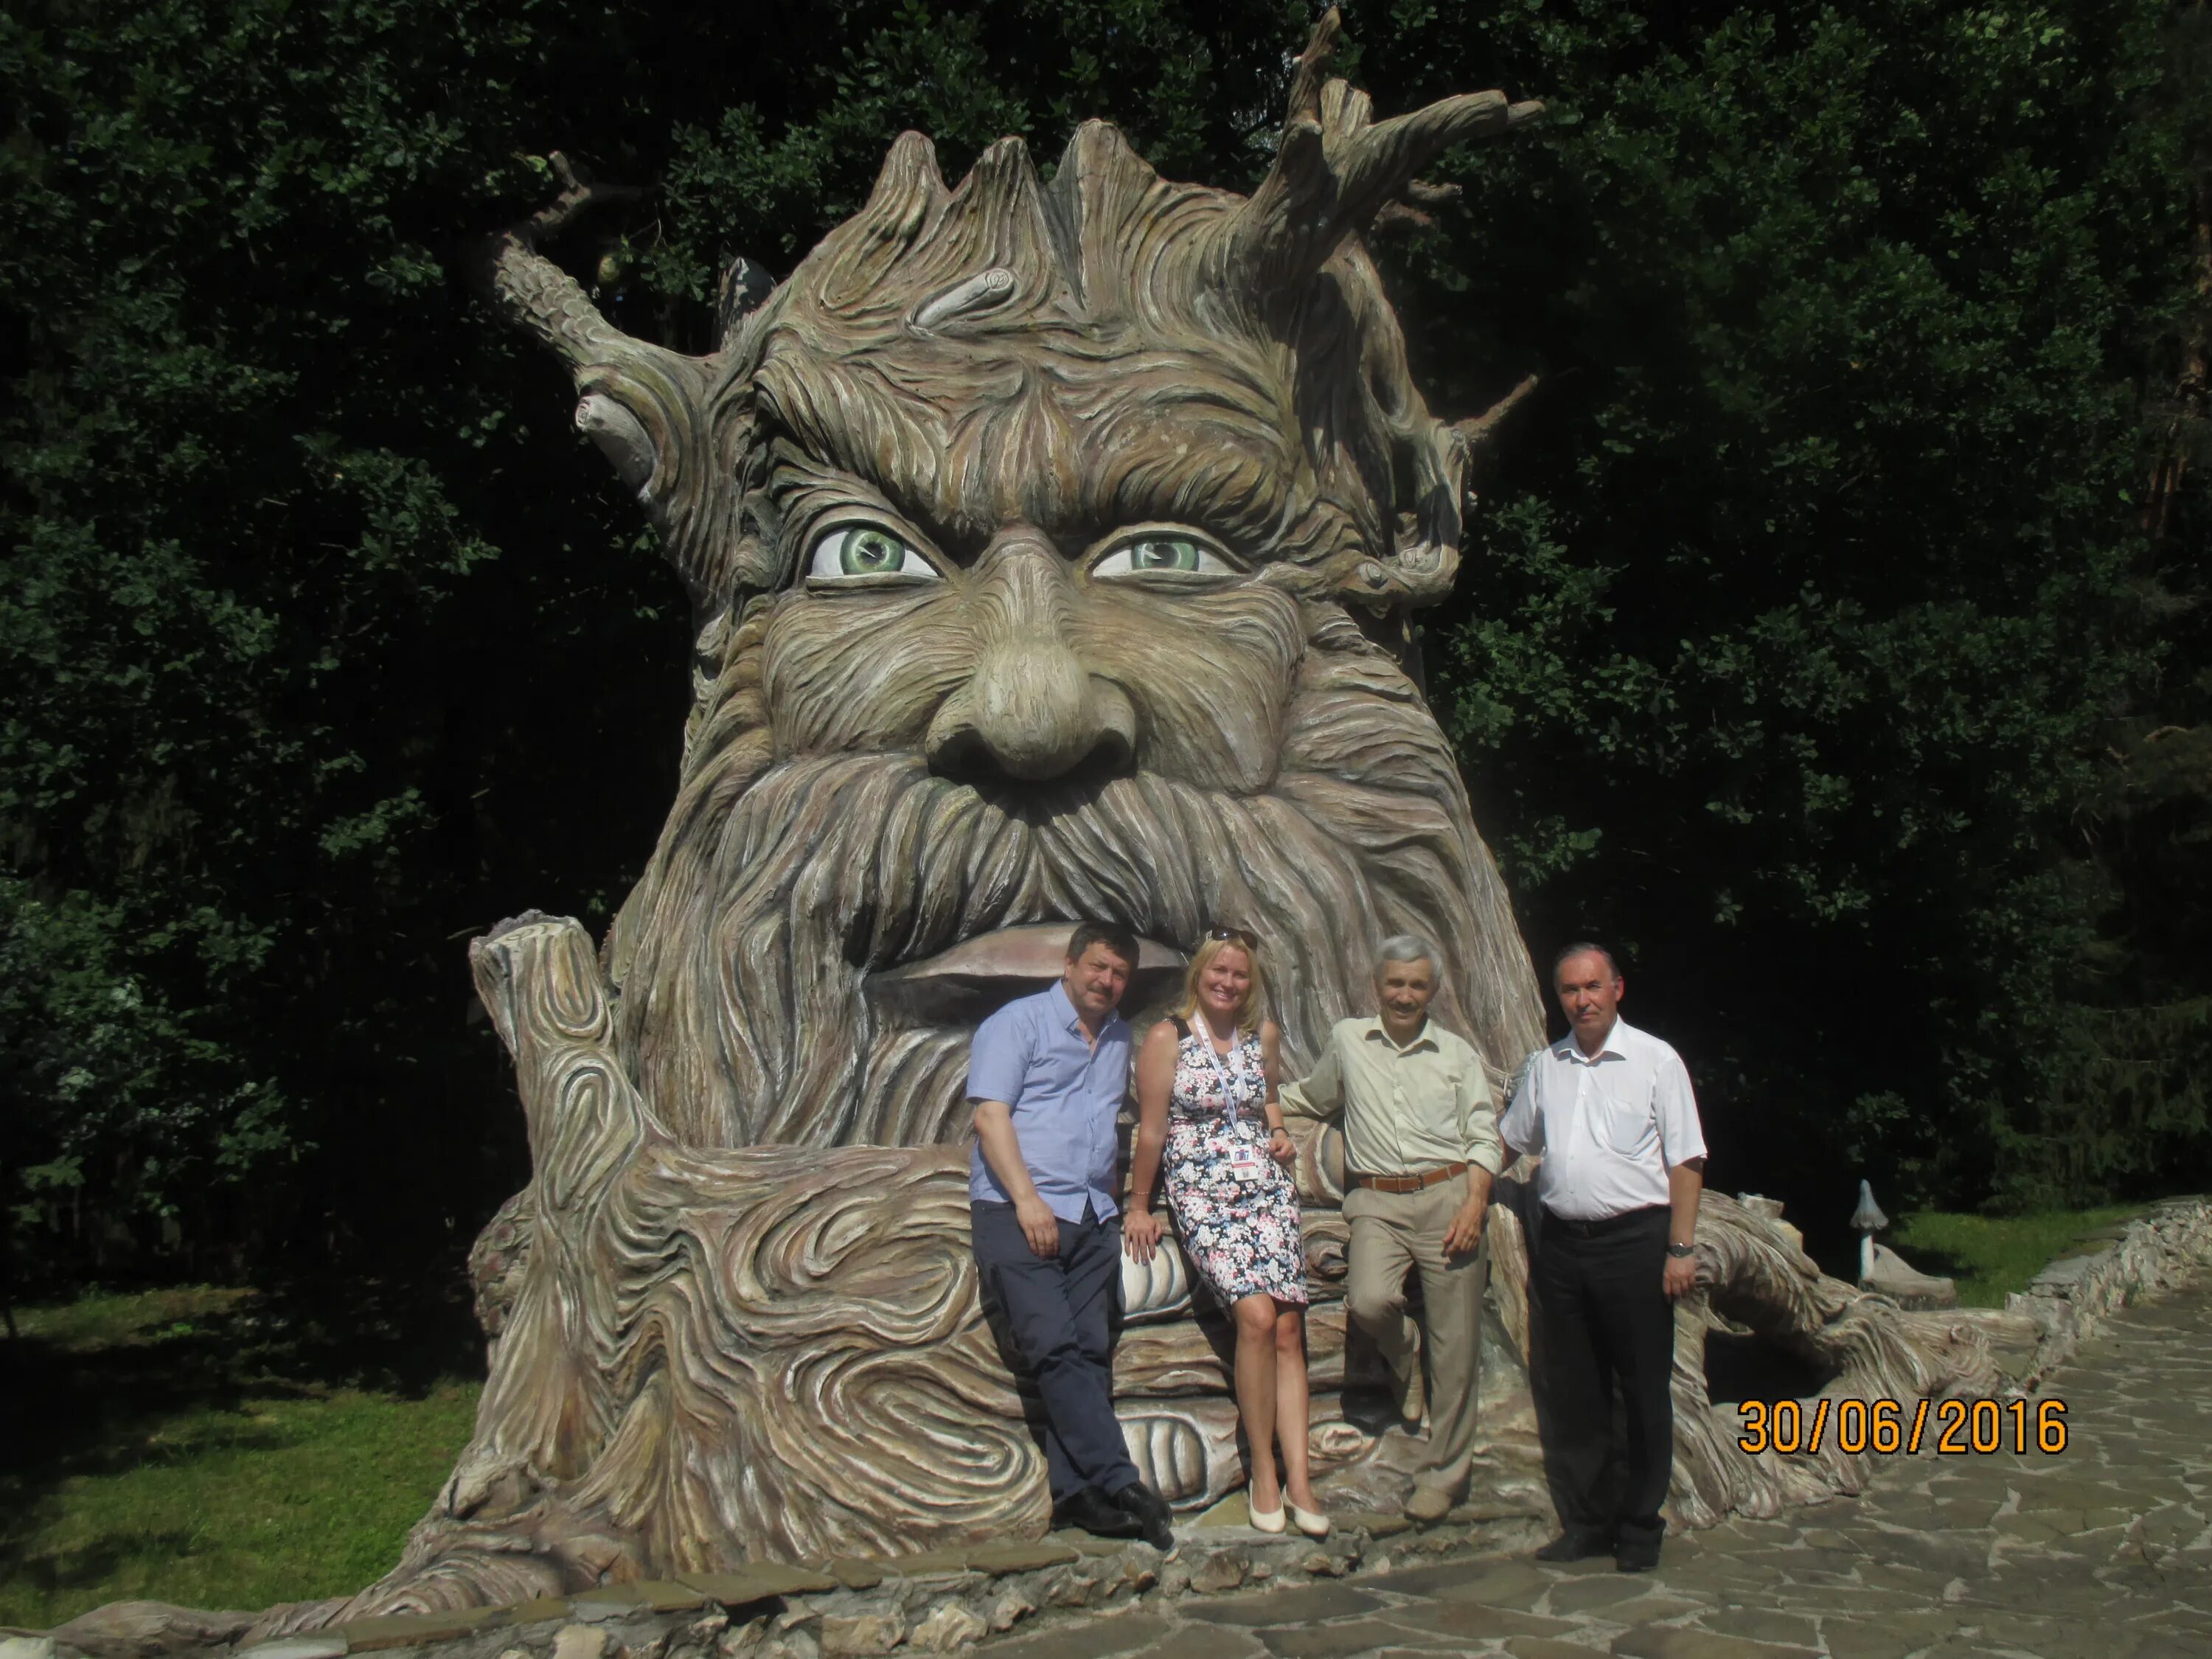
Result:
961,986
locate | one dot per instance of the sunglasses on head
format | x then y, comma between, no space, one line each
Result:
1243,936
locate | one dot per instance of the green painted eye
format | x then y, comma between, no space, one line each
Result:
1165,553
854,552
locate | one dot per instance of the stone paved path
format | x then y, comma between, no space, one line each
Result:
2104,1552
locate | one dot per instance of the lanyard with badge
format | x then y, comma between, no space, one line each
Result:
1245,1161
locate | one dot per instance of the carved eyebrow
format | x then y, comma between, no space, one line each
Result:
809,495
1203,476
1158,453
847,427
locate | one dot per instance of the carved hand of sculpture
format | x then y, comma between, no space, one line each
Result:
703,1348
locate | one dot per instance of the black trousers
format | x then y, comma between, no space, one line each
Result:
1603,1320
1059,1315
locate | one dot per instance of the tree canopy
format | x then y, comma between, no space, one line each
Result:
1828,639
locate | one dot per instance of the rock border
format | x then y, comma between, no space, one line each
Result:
2075,1294
935,1602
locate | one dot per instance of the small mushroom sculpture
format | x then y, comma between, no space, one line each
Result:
1867,1220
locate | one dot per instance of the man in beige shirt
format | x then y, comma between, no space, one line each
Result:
1421,1147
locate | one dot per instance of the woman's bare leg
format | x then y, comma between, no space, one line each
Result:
1291,1405
1255,1393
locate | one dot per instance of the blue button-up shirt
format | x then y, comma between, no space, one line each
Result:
1065,1092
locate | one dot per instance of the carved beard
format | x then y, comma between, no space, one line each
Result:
753,1011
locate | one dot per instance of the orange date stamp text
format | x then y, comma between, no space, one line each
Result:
1951,1428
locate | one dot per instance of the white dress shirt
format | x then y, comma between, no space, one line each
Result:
1609,1128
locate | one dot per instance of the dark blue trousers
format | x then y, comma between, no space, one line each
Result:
1058,1315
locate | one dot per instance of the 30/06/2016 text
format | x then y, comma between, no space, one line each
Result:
1959,1428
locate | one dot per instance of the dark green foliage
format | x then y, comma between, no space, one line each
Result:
2128,1105
263,463
1807,599
1790,641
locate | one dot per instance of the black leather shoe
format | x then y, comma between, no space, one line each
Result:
1150,1512
1571,1546
1089,1510
1638,1550
1639,1556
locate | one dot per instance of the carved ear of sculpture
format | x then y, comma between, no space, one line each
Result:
1427,560
644,406
1335,166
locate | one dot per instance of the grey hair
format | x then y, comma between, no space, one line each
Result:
1407,947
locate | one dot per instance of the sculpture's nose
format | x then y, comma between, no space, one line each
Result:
1029,710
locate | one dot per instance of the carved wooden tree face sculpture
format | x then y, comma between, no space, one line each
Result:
1030,525
1036,535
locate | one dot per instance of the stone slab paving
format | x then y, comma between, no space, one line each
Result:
2103,1551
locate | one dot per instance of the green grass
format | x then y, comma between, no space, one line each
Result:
1992,1255
179,1446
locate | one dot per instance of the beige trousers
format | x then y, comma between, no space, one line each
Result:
1392,1232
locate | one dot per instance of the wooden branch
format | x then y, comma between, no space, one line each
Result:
1336,166
539,295
1480,432
642,405
1423,193
1397,215
578,197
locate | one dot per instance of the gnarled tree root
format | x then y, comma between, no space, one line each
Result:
1754,1276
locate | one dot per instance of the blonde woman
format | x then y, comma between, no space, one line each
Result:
1207,1113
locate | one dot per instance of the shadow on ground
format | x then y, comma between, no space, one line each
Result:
90,1385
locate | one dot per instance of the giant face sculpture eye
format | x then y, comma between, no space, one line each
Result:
1161,553
854,553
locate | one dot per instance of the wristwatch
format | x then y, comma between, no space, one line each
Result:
1679,1251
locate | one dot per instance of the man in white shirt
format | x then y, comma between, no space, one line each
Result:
1610,1109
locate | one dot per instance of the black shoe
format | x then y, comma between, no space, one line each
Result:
1150,1512
1638,1550
1090,1511
1572,1545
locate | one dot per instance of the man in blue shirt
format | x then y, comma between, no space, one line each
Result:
1047,1075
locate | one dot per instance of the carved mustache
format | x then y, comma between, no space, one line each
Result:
828,869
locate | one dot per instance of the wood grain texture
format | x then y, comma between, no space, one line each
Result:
1754,1276
734,1315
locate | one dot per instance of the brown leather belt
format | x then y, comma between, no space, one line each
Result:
1409,1183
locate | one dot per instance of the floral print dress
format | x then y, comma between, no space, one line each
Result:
1236,1208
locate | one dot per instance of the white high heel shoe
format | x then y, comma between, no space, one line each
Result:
1312,1523
1262,1520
